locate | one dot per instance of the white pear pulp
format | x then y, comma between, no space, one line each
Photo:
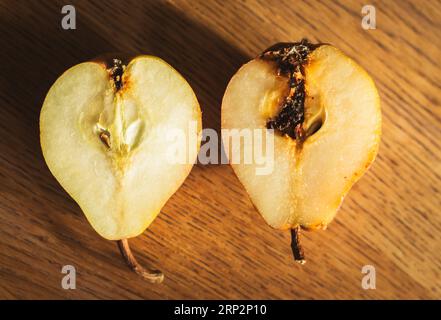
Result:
308,185
121,188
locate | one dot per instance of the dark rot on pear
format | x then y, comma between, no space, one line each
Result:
290,59
116,72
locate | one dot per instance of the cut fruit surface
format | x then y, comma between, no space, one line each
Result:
104,137
329,149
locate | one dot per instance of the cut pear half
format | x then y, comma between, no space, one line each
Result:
318,158
105,135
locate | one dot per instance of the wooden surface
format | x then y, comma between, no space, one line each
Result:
209,240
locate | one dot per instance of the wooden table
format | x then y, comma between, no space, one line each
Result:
209,240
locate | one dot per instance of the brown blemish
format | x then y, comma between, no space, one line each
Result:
116,72
291,59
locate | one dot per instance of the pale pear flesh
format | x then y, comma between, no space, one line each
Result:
309,182
108,148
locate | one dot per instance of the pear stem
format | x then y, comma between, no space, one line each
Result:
153,276
297,249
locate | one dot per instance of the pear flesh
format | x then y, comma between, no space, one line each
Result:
342,128
104,137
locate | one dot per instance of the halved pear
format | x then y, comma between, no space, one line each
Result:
324,112
105,135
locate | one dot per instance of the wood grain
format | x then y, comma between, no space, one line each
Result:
209,241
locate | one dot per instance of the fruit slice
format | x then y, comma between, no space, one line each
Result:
104,130
324,112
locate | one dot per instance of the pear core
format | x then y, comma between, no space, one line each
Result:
290,60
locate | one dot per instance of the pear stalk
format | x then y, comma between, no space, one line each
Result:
153,276
297,250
